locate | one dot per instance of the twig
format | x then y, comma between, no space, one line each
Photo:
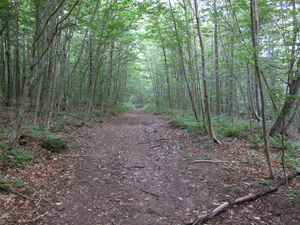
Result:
48,201
155,146
147,192
18,193
40,216
141,167
39,201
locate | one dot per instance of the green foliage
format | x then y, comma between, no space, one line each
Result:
190,157
207,156
149,107
234,186
98,120
185,170
231,167
291,148
36,129
14,182
18,157
4,130
124,107
53,144
231,127
185,120
255,139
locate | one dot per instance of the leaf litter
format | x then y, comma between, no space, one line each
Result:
136,168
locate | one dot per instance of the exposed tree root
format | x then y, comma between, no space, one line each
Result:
250,197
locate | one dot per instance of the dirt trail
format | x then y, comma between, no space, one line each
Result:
137,169
131,171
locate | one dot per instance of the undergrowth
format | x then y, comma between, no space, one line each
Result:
185,120
4,181
16,156
231,127
291,151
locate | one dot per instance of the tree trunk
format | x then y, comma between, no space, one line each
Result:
31,77
182,67
9,73
216,49
285,112
293,85
17,53
205,86
255,40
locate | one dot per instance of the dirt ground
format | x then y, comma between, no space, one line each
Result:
137,168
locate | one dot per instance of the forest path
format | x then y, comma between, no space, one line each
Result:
132,170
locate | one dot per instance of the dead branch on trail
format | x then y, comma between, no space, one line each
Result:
250,197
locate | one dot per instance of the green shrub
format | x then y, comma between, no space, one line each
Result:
231,127
36,129
124,107
53,144
150,108
291,159
18,157
185,120
4,130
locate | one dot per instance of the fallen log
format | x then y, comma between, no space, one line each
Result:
250,197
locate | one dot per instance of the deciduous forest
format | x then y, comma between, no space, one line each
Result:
225,73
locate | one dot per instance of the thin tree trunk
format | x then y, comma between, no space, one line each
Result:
31,78
205,86
17,53
9,73
255,39
182,68
217,77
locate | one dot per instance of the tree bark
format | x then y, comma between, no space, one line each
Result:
31,77
205,86
255,40
216,50
285,112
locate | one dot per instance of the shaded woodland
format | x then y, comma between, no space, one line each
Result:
237,60
228,71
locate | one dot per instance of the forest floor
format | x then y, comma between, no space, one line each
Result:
137,168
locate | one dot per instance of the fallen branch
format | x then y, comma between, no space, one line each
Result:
18,193
25,196
250,197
